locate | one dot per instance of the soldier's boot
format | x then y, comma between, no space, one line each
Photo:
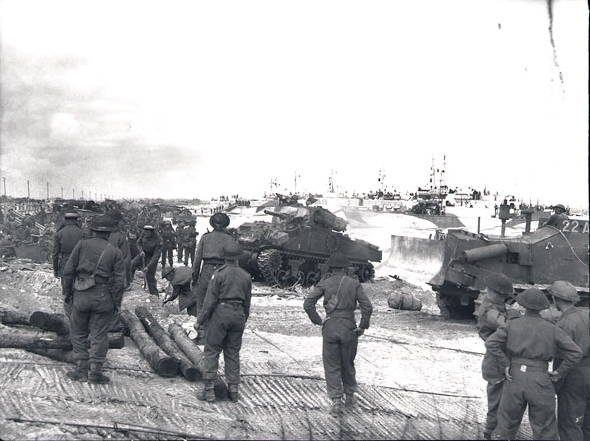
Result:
96,376
350,400
336,408
208,392
233,393
81,371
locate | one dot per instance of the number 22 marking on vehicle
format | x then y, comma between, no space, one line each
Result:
574,227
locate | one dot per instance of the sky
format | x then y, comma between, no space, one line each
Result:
201,98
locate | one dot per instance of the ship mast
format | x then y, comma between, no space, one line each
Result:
442,183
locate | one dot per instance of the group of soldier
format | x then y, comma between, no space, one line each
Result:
96,270
519,348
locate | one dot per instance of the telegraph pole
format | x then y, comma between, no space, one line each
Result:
73,197
47,190
28,190
4,179
62,192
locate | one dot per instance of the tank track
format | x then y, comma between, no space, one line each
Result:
271,262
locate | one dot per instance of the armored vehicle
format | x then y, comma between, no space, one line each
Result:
294,247
536,259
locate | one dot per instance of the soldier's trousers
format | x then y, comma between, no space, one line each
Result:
201,290
180,249
573,405
338,352
494,391
535,389
90,320
224,334
167,253
150,274
189,253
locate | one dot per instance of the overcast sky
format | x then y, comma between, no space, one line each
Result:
204,98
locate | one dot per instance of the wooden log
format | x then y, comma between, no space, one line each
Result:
187,368
55,354
47,321
11,317
32,338
163,364
195,355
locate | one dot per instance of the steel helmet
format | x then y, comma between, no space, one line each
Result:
219,220
565,291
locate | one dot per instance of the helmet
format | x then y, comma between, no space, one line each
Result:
499,283
148,227
565,291
560,206
71,215
167,270
533,298
219,220
338,260
115,215
231,250
102,223
167,222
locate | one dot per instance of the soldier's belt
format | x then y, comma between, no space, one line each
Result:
213,261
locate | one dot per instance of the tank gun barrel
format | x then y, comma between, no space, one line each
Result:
482,253
282,216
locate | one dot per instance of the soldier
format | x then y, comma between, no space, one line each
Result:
208,252
558,217
180,279
339,330
64,241
118,239
94,280
168,242
149,246
226,308
573,392
524,346
179,239
492,314
189,242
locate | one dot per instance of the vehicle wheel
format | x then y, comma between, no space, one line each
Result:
366,273
270,263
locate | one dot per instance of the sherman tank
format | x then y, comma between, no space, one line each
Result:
536,259
294,247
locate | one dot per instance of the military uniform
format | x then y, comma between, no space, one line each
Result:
340,340
119,240
209,253
168,244
64,242
189,242
226,308
492,314
93,308
526,345
152,247
181,289
573,391
179,239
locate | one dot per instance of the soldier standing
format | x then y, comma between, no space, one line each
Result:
339,330
118,239
64,241
491,314
226,308
523,347
573,392
149,246
168,242
189,242
209,253
180,279
180,239
94,279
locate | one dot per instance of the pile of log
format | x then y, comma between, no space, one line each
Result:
168,353
43,333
